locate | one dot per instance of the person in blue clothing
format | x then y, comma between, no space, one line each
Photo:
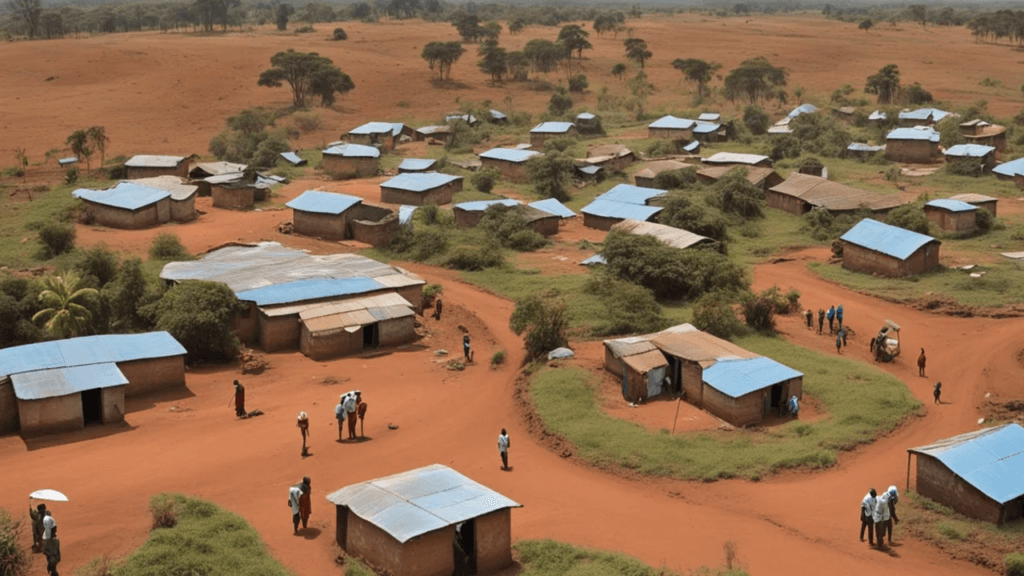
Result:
831,315
839,316
839,341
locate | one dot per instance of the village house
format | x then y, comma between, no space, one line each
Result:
952,215
352,326
613,157
759,176
498,117
433,134
710,117
199,173
416,165
147,166
978,474
127,205
511,162
421,522
420,189
921,117
588,123
863,151
707,133
293,158
980,200
800,193
638,364
671,128
322,214
876,248
237,191
622,202
737,159
645,176
379,135
469,214
351,161
668,235
1012,170
978,131
547,130
64,385
279,284
183,195
983,156
918,145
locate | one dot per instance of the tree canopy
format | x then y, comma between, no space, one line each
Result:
199,314
636,50
308,74
755,79
544,319
886,84
442,55
698,71
66,300
574,38
493,61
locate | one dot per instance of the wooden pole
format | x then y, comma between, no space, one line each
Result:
678,400
909,453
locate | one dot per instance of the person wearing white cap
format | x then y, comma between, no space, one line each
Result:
351,404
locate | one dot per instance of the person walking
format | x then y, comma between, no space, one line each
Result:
938,392
465,348
894,498
809,316
881,517
305,502
839,316
239,399
503,448
437,309
821,320
361,411
37,514
831,315
52,551
339,415
303,424
921,360
351,405
294,493
867,520
839,341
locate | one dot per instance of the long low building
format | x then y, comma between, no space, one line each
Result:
759,176
131,204
351,160
800,193
66,384
420,189
147,166
511,162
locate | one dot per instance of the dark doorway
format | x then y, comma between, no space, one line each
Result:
371,335
464,549
776,395
92,406
341,533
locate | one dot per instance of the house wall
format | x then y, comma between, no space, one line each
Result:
318,225
183,210
636,385
8,407
861,259
951,221
599,222
153,374
440,195
413,294
112,404
233,198
397,331
342,167
467,218
494,541
124,219
743,411
181,171
426,555
59,414
246,325
375,233
997,141
279,332
384,141
611,363
692,376
324,345
990,206
916,151
670,134
786,203
936,481
545,226
510,170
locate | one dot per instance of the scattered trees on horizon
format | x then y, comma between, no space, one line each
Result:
443,55
281,14
756,80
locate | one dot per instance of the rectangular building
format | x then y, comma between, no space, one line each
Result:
420,189
876,248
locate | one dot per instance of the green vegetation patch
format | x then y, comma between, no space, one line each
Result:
862,402
551,558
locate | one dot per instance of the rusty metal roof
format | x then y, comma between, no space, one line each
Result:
56,382
336,305
698,346
972,198
645,361
176,186
824,193
611,150
629,346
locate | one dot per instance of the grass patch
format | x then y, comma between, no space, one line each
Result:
862,402
22,219
551,558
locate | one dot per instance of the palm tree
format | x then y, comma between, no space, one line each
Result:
65,315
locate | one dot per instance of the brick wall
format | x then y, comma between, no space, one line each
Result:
247,326
112,404
279,332
786,203
515,171
397,331
467,218
951,221
59,414
693,382
8,407
599,222
545,226
612,364
440,195
181,171
861,259
426,555
936,481
318,225
916,151
494,541
125,219
322,346
233,198
342,167
670,134
183,210
153,374
375,233
743,411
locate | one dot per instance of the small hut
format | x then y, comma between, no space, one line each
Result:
621,202
671,128
876,248
978,131
416,165
801,193
668,235
761,177
980,200
921,117
322,214
127,205
351,160
147,166
952,215
375,134
420,189
639,364
511,162
982,156
737,159
919,145
546,130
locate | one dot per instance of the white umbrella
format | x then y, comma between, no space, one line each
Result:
47,494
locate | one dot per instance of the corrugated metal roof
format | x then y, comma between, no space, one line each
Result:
735,378
352,151
609,150
67,161
309,289
890,240
56,382
924,114
915,133
87,350
970,150
972,198
692,147
497,115
803,109
646,361
417,164
150,161
467,118
124,195
509,154
482,205
373,128
308,310
552,206
824,193
975,122
951,205
323,202
552,128
991,460
179,190
585,116
226,178
756,175
674,237
595,259
735,158
202,169
621,347
621,210
652,169
396,129
706,128
860,147
590,169
320,323
1011,168
419,182
631,194
780,129
688,343
293,158
405,213
672,123
429,130
419,501
877,115
710,117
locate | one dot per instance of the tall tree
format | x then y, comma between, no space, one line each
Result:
755,79
919,12
65,300
516,26
468,26
78,141
636,50
328,82
698,71
543,54
574,38
494,60
443,55
307,74
98,141
886,84
281,14
28,12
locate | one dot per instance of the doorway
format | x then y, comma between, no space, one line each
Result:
464,549
341,532
776,396
371,335
92,406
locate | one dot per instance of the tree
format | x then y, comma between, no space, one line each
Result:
199,315
919,12
78,141
549,174
490,31
909,217
100,262
636,50
468,26
866,25
494,60
608,22
22,157
281,14
543,54
65,299
544,319
619,70
886,84
53,24
698,71
915,94
27,12
125,295
302,71
574,38
443,55
98,141
560,102
516,26
755,79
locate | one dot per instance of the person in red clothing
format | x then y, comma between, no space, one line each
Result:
239,399
305,504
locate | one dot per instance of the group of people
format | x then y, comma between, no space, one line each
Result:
878,515
44,537
349,406
834,316
299,500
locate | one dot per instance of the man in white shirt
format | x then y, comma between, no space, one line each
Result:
339,414
867,513
294,493
882,520
49,523
350,405
503,449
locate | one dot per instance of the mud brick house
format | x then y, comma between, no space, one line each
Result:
671,128
588,123
339,329
638,364
546,130
375,134
952,215
279,284
984,156
674,237
978,131
433,134
737,159
323,214
800,193
238,191
980,200
420,189
645,176
469,214
921,117
498,117
622,202
708,132
416,165
183,195
293,158
147,166
410,523
918,145
131,205
1012,170
759,176
876,248
613,157
351,160
65,385
979,474
511,162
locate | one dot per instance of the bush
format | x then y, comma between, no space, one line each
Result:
915,94
821,134
1014,563
99,262
419,245
549,175
791,302
167,247
164,509
308,121
629,308
676,179
15,559
965,167
544,319
268,151
484,180
733,193
660,148
498,358
339,34
984,220
476,257
126,294
199,315
508,226
683,213
713,313
526,241
71,175
305,30
560,102
759,309
756,120
910,217
431,291
578,83
57,238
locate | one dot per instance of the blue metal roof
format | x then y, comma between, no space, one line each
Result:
417,164
970,150
924,114
595,259
396,129
917,133
66,161
1011,168
590,169
585,116
673,123
735,158
552,128
56,382
419,182
310,289
419,501
405,213
803,109
692,146
509,154
125,195
631,194
373,128
706,128
952,205
991,460
323,202
710,117
481,205
87,350
890,240
739,377
467,118
622,210
552,206
877,115
293,158
859,147
497,115
353,151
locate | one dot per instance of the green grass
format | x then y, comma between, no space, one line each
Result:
862,402
551,558
777,231
20,218
356,567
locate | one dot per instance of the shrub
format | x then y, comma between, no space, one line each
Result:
508,226
965,167
99,262
71,175
484,180
305,30
578,83
308,121
915,94
167,246
682,212
498,358
102,566
57,238
910,217
821,134
984,220
791,302
164,509
544,319
471,258
676,179
1014,563
15,560
549,175
199,315
756,120
339,34
419,245
628,308
431,291
713,313
560,102
660,148
759,309
526,241
126,294
733,193
268,151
